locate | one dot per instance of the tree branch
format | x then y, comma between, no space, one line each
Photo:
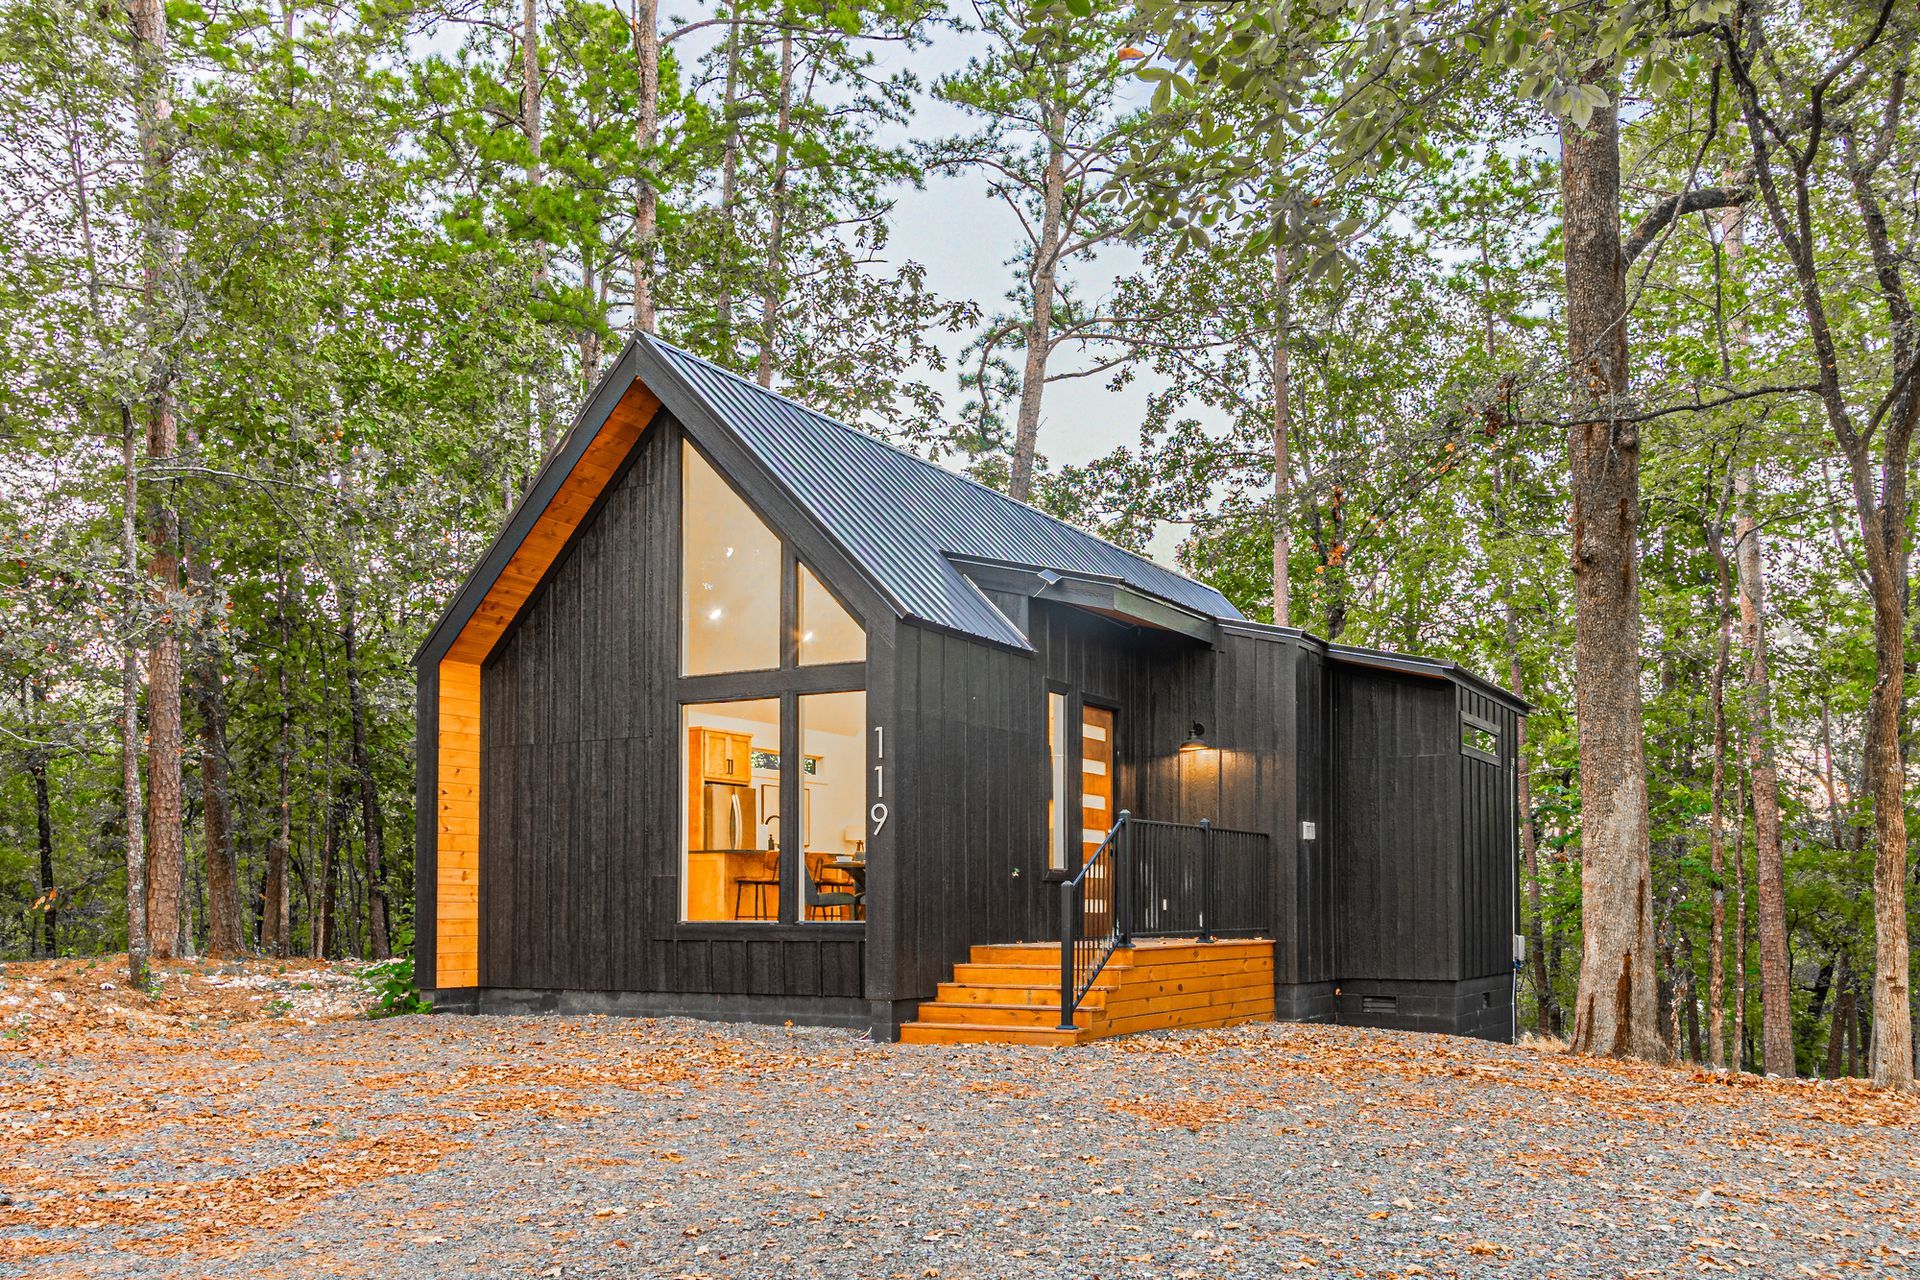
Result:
1679,205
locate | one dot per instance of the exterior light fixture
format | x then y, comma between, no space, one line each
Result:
1196,739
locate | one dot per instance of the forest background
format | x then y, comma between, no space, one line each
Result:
294,297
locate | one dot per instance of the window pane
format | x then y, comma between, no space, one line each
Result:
1057,789
828,633
730,867
833,783
729,577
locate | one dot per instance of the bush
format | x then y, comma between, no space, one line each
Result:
393,988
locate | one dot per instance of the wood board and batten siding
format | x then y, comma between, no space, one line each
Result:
1313,954
1490,830
1423,850
452,866
1396,765
580,835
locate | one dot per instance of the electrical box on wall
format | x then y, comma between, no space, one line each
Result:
1307,831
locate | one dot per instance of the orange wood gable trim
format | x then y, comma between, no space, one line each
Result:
457,872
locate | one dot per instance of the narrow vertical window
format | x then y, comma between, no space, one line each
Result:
1057,812
833,805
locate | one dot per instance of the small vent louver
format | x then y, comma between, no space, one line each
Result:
1379,1004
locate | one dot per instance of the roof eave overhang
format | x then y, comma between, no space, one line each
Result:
1430,668
1095,593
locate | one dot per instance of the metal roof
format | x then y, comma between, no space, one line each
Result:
901,517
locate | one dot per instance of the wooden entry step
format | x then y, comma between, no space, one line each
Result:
1009,993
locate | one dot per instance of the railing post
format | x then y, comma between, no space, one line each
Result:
1066,955
1123,883
1206,879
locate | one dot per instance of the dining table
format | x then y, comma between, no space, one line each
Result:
856,869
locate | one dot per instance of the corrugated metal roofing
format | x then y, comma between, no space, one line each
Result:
902,516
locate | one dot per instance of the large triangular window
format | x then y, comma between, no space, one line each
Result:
729,577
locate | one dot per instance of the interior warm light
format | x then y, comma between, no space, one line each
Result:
714,616
807,636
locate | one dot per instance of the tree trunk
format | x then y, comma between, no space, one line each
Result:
646,56
1717,810
323,921
1740,921
276,925
1617,1008
372,829
1694,1048
167,858
729,182
1282,471
1776,996
1546,1009
132,807
773,282
1879,499
1039,336
225,933
1842,1016
587,338
530,88
43,822
1892,1051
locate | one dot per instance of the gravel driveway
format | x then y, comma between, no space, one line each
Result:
450,1146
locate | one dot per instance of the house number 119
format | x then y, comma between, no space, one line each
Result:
878,813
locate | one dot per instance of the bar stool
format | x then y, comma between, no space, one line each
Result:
768,879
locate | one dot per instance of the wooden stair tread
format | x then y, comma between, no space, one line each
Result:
1008,993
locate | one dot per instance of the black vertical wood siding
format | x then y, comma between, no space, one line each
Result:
1313,756
580,809
972,770
1254,736
968,756
1396,873
1411,874
1489,837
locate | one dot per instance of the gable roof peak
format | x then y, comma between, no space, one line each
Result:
901,517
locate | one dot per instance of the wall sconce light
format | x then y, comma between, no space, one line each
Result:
1196,739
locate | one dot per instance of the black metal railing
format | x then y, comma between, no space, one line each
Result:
1089,921
1159,880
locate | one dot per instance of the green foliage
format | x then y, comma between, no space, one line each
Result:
393,988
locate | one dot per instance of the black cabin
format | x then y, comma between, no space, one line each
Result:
748,715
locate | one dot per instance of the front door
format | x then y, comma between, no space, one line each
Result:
1096,778
1096,814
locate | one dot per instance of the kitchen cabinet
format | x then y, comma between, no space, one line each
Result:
723,756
